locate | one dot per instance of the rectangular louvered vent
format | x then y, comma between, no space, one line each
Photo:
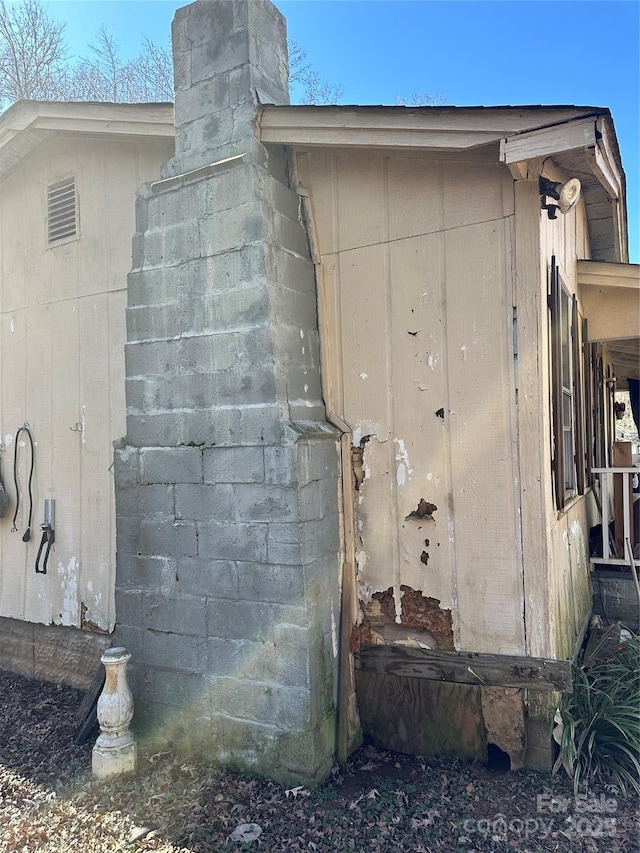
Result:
61,210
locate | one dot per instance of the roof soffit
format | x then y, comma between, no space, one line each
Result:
26,125
610,298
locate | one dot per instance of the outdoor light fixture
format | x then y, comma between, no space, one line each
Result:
566,195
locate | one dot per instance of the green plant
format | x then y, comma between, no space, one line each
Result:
601,721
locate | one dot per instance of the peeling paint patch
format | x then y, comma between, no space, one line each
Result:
404,469
361,562
360,470
432,360
69,585
334,634
369,429
580,545
423,510
423,621
364,376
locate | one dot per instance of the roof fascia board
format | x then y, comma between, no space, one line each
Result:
400,127
105,126
547,141
380,138
25,125
140,119
603,162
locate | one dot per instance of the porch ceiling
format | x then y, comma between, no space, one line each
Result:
625,355
610,296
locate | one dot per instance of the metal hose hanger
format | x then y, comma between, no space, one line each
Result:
27,534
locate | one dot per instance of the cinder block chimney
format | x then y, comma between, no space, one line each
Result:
227,480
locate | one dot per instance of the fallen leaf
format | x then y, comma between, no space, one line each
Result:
246,832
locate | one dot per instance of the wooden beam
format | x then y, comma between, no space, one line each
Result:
400,127
549,140
622,459
467,667
603,274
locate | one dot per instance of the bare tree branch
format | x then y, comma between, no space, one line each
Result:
297,56
152,73
421,99
303,77
318,91
34,64
101,75
32,52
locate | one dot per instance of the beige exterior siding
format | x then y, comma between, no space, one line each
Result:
569,585
62,334
416,279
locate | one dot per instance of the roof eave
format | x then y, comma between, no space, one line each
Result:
26,124
580,139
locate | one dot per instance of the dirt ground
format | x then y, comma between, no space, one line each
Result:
381,802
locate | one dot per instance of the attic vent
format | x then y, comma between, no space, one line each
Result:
61,210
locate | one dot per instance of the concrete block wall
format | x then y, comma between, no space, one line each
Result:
228,597
53,653
227,590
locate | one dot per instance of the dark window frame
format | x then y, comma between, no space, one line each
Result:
568,336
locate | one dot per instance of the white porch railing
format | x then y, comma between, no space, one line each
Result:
605,476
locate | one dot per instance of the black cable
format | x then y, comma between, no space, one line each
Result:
27,533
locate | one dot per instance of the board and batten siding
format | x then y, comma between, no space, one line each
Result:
62,335
416,286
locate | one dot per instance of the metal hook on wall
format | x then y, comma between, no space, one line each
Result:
48,535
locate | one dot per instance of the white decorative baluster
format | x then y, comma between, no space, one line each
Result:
115,750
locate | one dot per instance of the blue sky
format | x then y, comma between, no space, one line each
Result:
470,52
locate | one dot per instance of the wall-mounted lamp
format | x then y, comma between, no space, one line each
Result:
566,195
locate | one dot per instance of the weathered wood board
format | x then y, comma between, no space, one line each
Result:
421,717
467,667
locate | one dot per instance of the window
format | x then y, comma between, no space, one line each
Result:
569,458
62,210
